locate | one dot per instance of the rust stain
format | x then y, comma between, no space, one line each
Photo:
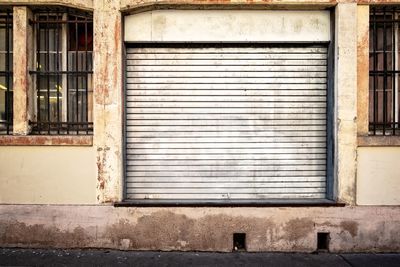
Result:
117,44
362,81
46,140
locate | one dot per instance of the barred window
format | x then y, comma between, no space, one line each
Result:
63,75
384,111
6,78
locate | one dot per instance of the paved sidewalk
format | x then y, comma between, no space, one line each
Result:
40,257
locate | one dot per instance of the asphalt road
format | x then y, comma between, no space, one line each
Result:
41,257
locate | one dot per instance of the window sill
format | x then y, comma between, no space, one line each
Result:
370,141
46,140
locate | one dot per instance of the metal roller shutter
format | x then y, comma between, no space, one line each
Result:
217,122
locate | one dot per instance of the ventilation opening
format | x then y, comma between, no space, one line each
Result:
323,241
239,242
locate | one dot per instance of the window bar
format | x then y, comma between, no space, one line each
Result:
57,69
67,75
375,44
86,77
393,74
47,40
82,82
7,98
38,76
396,67
76,74
384,73
396,30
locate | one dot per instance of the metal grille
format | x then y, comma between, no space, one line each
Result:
63,75
226,122
384,111
6,78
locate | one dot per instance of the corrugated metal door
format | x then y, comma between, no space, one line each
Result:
217,122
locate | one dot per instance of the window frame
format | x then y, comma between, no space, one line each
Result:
389,124
65,125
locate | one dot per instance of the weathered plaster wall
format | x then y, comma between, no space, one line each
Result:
212,26
22,34
378,177
351,229
47,175
362,69
107,81
346,98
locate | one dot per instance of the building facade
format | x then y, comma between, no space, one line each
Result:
200,125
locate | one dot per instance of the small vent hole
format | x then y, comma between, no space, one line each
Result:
323,241
239,242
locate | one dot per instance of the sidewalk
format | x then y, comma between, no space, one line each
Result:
40,257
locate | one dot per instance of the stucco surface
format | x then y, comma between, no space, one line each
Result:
47,175
378,178
107,80
352,229
346,97
242,25
362,69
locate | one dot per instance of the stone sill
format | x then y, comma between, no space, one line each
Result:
371,141
46,140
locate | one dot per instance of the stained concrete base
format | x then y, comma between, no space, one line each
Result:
267,229
36,257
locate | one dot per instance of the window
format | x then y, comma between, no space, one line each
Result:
6,66
384,111
63,75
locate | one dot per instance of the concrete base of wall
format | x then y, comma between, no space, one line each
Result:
351,229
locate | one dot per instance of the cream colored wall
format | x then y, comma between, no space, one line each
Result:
378,176
47,175
242,25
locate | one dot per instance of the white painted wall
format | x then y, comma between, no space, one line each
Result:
228,26
378,176
47,175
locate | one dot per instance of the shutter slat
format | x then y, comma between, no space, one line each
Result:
226,122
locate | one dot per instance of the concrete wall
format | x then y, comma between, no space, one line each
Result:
351,229
378,176
47,175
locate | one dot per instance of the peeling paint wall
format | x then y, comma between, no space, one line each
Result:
85,174
204,229
107,79
47,175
